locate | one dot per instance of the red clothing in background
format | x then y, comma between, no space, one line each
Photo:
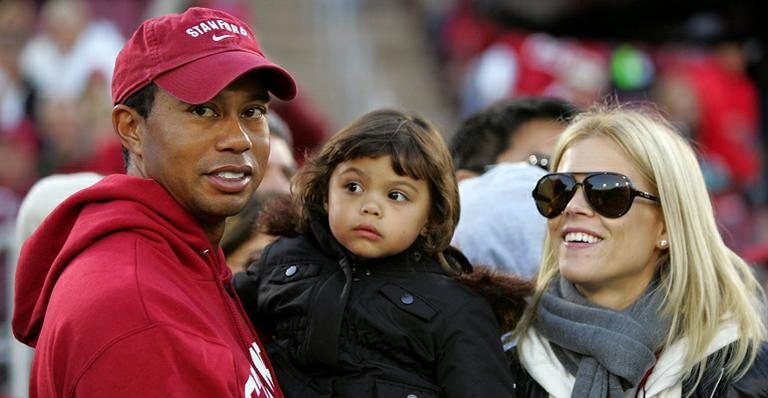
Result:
728,119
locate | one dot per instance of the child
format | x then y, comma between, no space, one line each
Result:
364,301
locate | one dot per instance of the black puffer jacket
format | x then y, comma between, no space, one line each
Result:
754,384
394,327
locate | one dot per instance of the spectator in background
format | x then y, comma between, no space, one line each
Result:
73,134
18,137
243,233
709,95
281,165
309,127
69,49
69,65
499,226
62,129
508,131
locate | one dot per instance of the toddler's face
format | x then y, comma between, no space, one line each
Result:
372,211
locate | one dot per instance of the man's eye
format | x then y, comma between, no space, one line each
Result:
398,196
353,187
203,110
256,112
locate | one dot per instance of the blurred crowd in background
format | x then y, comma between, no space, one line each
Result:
703,70
703,64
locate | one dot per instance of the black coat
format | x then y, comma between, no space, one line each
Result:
384,328
754,384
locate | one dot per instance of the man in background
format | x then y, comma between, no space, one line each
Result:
499,153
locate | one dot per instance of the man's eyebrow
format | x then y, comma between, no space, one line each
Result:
263,97
260,97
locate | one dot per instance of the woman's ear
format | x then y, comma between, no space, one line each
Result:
129,127
662,238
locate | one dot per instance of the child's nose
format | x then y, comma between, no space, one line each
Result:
371,208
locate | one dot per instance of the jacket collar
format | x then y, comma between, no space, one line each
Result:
412,259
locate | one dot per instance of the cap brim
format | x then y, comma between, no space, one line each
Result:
201,80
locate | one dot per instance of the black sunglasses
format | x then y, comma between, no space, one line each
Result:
609,194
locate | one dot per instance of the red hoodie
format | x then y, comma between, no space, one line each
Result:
122,295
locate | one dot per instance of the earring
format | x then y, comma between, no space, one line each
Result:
663,243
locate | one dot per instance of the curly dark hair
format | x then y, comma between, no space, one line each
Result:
417,150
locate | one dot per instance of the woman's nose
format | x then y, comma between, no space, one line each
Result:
578,203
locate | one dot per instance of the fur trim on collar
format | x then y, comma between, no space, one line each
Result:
506,293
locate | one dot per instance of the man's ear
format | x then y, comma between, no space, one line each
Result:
129,127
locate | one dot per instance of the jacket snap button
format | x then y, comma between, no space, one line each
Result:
412,396
290,271
407,299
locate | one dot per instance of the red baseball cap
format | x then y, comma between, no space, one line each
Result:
193,56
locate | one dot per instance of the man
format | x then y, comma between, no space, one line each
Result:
508,131
281,165
499,225
123,289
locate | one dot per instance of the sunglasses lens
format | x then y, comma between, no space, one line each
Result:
608,194
552,194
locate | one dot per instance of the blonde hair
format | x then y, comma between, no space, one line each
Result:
704,282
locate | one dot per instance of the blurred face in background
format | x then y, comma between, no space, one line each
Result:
281,166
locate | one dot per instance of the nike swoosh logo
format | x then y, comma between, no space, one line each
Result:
220,38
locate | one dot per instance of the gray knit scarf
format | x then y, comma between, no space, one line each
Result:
606,350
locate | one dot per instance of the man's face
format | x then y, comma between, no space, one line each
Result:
211,156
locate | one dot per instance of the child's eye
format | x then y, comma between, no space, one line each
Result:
256,112
398,196
353,187
203,110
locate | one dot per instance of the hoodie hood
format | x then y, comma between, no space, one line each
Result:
115,204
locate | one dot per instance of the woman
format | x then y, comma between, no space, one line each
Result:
637,294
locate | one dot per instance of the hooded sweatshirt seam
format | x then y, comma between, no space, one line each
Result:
139,291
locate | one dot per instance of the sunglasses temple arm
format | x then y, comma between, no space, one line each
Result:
647,196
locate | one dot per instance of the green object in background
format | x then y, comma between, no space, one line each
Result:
631,69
